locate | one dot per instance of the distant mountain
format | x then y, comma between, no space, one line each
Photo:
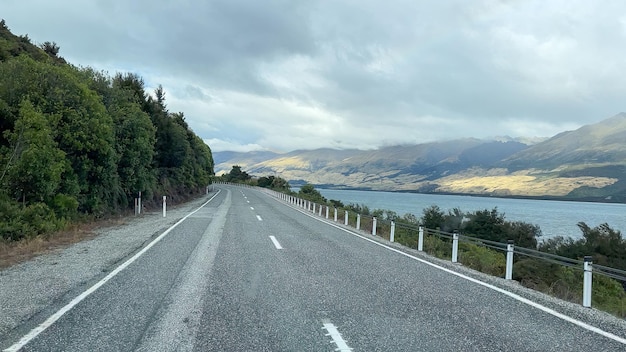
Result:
585,164
600,143
227,157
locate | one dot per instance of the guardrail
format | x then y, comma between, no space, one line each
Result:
391,230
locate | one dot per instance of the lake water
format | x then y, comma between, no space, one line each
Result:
555,218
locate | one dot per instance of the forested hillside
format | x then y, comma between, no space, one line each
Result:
78,141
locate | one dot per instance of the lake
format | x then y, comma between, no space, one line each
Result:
555,218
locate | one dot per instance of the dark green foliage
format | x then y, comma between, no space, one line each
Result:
274,182
13,46
264,182
434,218
18,221
237,175
309,192
385,215
359,208
523,234
34,171
485,224
482,259
605,244
51,49
336,203
78,141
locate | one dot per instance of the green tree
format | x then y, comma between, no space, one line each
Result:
34,173
486,224
522,234
237,175
82,127
264,182
309,192
280,184
605,244
51,48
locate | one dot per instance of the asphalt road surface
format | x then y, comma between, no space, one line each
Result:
247,272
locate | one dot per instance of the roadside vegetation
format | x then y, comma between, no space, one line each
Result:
236,175
78,144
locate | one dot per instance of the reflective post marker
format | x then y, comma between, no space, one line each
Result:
587,280
509,260
455,247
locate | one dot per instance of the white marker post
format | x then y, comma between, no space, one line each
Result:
587,280
164,205
420,239
455,246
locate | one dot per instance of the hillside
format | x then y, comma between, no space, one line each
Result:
585,164
77,142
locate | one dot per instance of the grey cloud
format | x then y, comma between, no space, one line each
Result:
460,68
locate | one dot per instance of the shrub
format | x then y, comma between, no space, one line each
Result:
65,206
437,247
482,259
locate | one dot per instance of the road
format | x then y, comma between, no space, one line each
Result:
248,273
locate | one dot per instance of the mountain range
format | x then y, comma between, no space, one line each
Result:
585,164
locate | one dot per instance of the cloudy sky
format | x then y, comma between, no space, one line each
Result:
282,75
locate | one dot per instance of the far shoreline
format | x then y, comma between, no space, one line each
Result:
548,198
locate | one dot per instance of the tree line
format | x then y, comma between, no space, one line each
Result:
236,175
76,141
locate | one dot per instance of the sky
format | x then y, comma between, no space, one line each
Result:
284,75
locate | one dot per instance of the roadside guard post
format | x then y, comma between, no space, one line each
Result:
455,246
510,249
420,239
587,280
374,226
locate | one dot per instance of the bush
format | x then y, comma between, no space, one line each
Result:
608,295
65,206
18,222
40,218
437,247
407,236
482,259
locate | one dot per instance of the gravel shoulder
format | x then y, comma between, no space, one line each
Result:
30,287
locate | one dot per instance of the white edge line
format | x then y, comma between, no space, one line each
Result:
56,316
275,241
335,335
495,288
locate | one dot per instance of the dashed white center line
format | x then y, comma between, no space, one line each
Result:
252,208
258,217
334,334
275,241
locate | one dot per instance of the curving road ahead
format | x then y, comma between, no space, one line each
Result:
246,272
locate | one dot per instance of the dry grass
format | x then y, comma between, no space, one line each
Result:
520,184
14,252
